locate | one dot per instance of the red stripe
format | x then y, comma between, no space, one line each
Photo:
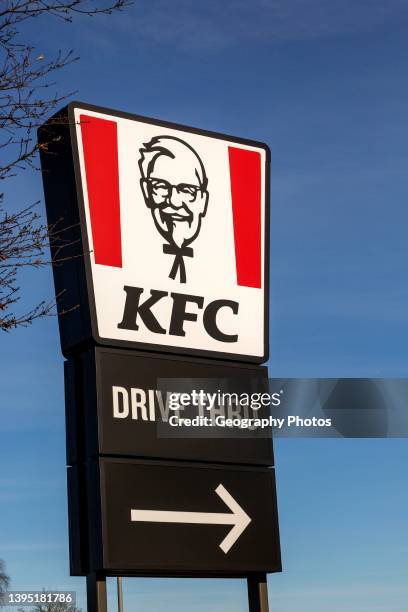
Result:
100,146
245,173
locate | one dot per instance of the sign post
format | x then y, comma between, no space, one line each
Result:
258,593
163,296
119,587
96,593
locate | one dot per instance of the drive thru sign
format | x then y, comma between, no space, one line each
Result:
174,226
164,230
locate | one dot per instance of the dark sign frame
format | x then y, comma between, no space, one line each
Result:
72,266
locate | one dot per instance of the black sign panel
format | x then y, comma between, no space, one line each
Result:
118,403
152,518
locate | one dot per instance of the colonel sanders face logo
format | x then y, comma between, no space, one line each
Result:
174,185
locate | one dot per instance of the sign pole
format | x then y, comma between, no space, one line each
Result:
258,593
120,593
96,593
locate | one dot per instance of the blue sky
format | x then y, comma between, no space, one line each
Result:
325,85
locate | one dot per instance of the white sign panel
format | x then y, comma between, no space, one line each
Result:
176,225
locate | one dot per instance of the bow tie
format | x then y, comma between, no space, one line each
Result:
178,264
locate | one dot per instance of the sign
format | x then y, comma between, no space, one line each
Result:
174,228
153,518
124,403
160,247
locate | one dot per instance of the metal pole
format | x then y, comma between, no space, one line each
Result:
258,593
120,594
96,593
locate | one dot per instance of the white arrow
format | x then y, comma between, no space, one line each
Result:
237,517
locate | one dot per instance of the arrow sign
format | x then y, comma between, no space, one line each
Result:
138,524
237,517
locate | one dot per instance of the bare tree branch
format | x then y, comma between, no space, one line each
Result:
4,582
28,96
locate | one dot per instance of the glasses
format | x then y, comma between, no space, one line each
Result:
161,190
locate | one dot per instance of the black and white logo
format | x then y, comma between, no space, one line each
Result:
176,222
174,185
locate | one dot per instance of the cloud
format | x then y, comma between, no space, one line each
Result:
211,24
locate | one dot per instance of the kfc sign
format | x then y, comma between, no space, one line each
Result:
174,226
